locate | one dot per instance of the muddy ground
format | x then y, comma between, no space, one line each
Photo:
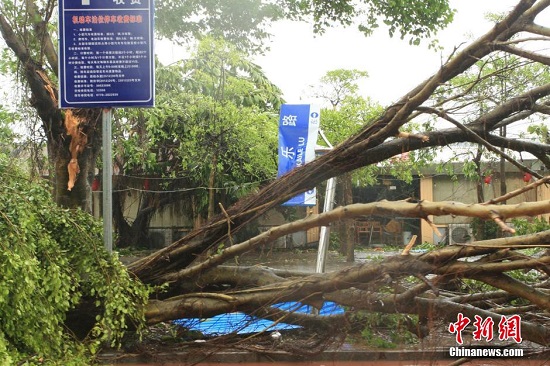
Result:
305,260
166,344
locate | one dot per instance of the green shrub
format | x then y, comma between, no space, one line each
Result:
381,330
52,259
535,225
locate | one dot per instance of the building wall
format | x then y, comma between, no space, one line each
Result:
465,191
543,194
173,224
461,189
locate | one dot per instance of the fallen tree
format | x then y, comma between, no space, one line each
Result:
197,285
364,286
192,265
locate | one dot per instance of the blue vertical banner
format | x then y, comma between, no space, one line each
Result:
298,128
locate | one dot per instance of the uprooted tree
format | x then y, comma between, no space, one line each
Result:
197,284
191,266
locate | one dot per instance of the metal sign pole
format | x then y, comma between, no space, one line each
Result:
324,236
106,119
118,74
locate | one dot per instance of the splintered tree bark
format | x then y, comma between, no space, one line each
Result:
71,151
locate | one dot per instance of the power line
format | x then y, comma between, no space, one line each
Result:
241,186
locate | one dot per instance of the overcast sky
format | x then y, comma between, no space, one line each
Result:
298,59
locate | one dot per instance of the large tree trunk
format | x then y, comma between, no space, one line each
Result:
80,194
59,138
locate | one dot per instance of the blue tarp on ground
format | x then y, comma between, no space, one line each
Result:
241,323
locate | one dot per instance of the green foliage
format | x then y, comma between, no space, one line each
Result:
7,136
245,23
352,114
348,115
334,241
473,286
215,117
384,330
218,69
541,131
531,277
425,246
52,259
336,85
531,226
417,19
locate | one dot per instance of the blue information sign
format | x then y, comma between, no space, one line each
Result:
106,54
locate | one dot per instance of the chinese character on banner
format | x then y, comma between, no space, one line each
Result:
484,328
510,327
289,120
457,327
287,152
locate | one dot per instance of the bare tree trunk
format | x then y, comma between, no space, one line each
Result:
79,196
211,187
479,227
346,231
198,219
480,181
135,234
